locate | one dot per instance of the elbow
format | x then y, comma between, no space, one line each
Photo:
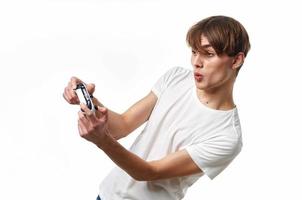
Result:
117,137
148,175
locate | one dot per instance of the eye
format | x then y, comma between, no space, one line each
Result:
210,54
194,52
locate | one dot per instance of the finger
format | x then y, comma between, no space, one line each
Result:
98,113
91,88
82,116
90,115
66,95
74,97
70,85
102,109
86,110
83,120
82,128
74,81
102,113
66,98
72,91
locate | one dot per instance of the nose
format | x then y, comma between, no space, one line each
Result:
197,61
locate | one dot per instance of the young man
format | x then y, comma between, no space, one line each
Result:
192,125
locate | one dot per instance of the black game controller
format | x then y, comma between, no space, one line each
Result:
84,96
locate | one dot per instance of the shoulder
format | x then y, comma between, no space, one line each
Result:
177,70
176,74
173,77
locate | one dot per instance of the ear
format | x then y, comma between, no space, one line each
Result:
238,60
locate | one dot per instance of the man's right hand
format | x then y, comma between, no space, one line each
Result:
69,92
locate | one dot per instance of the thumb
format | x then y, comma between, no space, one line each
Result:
104,110
90,87
101,111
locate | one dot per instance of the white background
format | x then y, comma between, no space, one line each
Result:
124,47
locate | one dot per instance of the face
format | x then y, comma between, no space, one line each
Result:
215,71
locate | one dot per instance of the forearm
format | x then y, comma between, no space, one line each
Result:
116,124
136,167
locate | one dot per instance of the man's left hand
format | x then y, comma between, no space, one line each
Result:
93,126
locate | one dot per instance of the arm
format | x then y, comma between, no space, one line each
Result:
173,165
95,130
139,112
116,122
120,125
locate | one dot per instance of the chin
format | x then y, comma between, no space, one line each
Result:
201,86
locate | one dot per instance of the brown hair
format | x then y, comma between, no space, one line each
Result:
225,34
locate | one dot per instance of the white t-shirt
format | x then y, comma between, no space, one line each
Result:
178,121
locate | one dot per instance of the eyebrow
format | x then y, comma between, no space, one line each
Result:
205,46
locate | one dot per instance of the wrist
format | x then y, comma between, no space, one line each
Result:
105,140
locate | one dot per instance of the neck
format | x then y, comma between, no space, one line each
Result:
218,98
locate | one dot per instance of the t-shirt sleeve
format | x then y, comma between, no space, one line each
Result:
165,80
214,155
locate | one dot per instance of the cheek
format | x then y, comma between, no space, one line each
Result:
215,77
192,60
216,72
